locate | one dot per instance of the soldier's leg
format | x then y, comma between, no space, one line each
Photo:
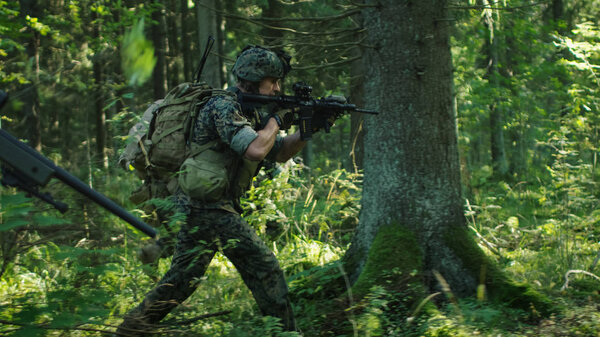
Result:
258,267
194,250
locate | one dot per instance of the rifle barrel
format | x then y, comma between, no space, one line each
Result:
365,111
80,187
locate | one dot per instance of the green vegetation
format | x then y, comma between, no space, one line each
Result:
69,64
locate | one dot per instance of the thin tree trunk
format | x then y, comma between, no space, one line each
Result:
158,37
207,26
31,107
99,100
220,43
499,163
186,41
274,9
174,33
356,119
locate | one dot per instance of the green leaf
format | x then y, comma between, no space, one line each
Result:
137,55
12,223
45,220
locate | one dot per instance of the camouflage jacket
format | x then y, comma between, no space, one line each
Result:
222,118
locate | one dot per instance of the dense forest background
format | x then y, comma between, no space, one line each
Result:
526,96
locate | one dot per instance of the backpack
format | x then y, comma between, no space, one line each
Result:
161,142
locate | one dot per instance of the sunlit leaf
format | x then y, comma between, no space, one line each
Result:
137,55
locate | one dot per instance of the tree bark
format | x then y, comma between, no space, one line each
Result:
220,40
499,163
274,9
186,41
158,38
31,107
98,70
412,225
356,119
207,26
173,65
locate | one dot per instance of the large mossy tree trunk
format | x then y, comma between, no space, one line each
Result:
412,210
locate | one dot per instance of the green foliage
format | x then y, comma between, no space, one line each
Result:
73,274
326,211
137,55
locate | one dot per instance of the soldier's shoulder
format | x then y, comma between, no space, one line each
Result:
222,101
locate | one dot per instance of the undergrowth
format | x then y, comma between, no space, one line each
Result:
79,287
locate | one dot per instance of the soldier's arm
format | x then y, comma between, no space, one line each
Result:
292,144
261,145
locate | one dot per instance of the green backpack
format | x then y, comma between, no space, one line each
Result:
162,144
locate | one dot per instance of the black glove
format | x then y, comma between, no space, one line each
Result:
322,120
284,118
325,119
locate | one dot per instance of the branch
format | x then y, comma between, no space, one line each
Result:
195,319
285,29
51,328
323,46
330,64
361,5
566,285
310,18
499,8
410,319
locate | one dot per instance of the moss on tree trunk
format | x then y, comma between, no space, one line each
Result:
496,285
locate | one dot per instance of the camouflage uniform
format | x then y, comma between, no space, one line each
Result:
211,226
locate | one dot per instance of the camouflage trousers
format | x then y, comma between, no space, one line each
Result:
205,233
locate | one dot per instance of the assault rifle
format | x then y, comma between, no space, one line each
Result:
309,113
28,170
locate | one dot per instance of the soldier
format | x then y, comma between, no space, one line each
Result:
247,138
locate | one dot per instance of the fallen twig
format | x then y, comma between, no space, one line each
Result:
566,285
195,319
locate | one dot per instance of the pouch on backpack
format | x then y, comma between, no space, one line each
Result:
204,176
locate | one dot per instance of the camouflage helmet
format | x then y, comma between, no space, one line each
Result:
256,63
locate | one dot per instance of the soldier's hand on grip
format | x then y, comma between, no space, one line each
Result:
284,117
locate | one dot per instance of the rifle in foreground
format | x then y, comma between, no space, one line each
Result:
28,170
309,113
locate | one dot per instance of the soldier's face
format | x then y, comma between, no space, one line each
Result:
269,86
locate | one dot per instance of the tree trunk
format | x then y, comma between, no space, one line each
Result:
412,225
356,119
274,9
173,65
499,163
186,41
207,26
98,70
158,38
220,40
31,107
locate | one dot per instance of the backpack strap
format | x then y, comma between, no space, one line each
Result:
167,132
197,106
197,149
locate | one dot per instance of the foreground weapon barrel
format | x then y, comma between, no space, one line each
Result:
29,165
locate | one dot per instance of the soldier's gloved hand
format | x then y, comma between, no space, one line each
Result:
284,118
323,121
